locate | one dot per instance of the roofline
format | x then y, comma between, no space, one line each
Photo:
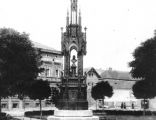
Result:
50,51
99,76
119,79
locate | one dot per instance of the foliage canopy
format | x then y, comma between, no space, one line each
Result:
144,63
40,90
55,95
19,60
19,63
101,89
144,89
144,68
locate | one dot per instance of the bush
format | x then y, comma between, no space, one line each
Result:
2,114
37,113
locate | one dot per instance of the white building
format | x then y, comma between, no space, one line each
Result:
121,83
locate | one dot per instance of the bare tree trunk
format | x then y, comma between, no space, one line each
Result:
103,102
23,103
0,104
40,110
144,108
96,104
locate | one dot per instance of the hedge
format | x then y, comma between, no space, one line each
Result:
36,113
4,116
124,112
97,112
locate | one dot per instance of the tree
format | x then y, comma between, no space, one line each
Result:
144,63
94,94
19,61
3,92
144,89
21,89
40,90
55,95
144,68
101,89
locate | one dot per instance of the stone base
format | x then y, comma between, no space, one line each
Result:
64,104
72,118
73,115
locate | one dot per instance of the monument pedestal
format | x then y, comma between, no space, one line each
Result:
73,115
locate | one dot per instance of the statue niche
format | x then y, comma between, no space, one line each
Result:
73,67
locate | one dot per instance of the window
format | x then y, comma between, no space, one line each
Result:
15,105
26,104
4,105
91,74
37,104
57,75
47,72
48,103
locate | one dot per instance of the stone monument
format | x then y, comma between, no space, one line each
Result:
72,103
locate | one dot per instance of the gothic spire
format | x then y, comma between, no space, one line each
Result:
73,11
79,17
67,18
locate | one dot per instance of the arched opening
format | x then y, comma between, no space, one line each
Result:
73,62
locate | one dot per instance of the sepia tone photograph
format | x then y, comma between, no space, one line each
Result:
77,60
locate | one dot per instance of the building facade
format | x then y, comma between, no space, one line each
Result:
52,64
122,88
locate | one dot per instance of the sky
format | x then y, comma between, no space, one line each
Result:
115,27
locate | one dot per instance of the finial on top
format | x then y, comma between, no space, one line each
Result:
85,29
79,12
67,19
67,13
61,29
